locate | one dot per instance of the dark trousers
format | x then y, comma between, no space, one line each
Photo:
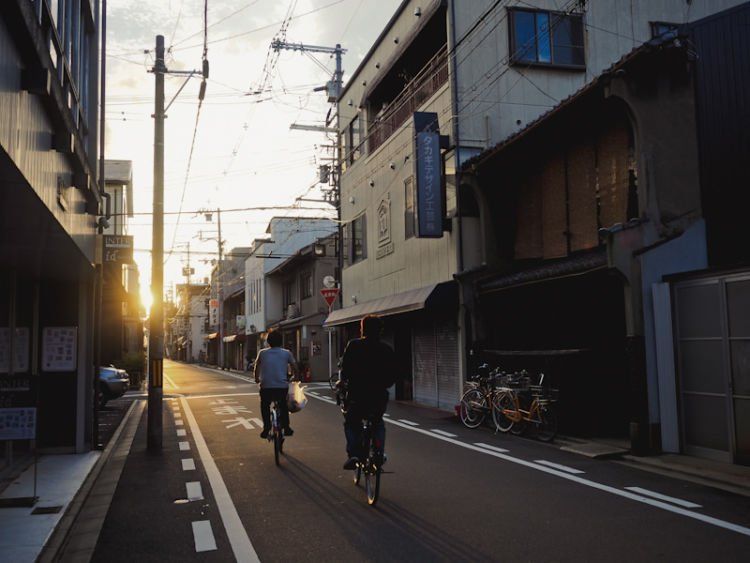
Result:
267,396
353,428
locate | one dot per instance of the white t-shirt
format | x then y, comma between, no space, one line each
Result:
274,363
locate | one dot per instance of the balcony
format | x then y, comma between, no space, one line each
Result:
420,89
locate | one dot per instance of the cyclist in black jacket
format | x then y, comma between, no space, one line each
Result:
368,369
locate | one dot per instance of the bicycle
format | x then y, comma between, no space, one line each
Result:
371,466
476,403
276,435
509,416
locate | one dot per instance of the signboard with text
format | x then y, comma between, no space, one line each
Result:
59,348
118,249
430,200
18,424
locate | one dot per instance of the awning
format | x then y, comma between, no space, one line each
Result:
230,338
211,336
405,302
312,319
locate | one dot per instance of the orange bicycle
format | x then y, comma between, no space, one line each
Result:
517,409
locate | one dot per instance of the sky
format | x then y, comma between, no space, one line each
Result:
245,154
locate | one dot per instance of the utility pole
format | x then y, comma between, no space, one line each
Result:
219,291
156,325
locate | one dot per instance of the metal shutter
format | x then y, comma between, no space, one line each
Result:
446,336
425,361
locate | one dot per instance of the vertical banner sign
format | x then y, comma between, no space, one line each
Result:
213,312
430,198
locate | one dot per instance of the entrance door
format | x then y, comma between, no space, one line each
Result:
712,318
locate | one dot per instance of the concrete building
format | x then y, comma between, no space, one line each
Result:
264,299
190,322
49,203
122,327
303,310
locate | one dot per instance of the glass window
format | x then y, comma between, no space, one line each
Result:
359,238
306,284
664,29
355,139
547,38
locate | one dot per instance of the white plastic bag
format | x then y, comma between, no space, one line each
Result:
295,398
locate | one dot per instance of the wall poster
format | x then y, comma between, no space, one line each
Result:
59,348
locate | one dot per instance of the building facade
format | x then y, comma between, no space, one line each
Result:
190,322
49,203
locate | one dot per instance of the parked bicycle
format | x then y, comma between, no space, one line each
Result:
517,407
476,402
276,435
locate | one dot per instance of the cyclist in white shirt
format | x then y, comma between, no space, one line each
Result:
272,367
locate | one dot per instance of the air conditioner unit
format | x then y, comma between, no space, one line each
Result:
292,311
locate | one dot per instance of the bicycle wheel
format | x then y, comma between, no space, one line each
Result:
276,447
503,402
472,409
546,428
332,380
372,482
357,475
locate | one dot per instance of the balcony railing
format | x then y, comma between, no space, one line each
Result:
422,87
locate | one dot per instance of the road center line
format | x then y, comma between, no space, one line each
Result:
241,546
660,496
582,481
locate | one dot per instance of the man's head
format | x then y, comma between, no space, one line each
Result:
371,326
274,339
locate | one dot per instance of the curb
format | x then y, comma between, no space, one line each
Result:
57,539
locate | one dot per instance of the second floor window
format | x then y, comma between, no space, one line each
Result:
289,293
547,38
355,240
306,285
353,140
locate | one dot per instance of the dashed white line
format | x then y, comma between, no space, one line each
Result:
444,433
184,446
179,422
493,448
188,464
242,548
169,380
495,452
194,490
386,415
203,536
558,466
652,494
409,422
181,432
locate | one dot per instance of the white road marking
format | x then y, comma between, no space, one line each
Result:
230,409
194,490
246,423
386,414
222,401
179,422
169,380
493,448
560,467
586,482
677,501
184,446
409,422
188,464
444,433
241,547
181,432
229,387
214,395
313,393
203,536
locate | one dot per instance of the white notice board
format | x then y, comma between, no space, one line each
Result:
59,348
18,424
21,346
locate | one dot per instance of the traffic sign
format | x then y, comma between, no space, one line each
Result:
329,294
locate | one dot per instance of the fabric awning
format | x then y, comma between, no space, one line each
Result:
405,302
211,336
230,338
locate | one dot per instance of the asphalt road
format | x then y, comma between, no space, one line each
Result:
449,493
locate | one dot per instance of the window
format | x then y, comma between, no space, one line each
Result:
353,140
306,284
664,30
410,215
290,297
355,240
547,38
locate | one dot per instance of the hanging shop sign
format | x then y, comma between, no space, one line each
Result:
213,312
430,198
118,249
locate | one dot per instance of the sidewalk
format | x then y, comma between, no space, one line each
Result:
25,532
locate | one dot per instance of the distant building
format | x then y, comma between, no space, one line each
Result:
190,321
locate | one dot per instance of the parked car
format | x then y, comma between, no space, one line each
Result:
113,383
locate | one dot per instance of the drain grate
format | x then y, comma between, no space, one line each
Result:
47,510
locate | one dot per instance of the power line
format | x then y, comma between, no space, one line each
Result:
234,210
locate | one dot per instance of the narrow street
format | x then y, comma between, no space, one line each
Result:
448,494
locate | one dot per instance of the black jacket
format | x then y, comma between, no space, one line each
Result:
368,368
